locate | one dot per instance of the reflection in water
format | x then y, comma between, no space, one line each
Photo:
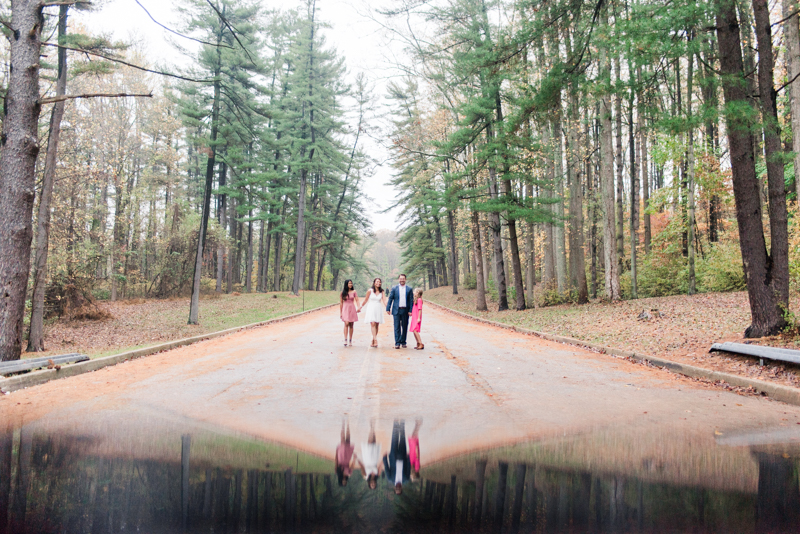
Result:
206,482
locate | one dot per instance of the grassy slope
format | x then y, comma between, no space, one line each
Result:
142,323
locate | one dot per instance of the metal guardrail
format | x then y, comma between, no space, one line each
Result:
759,351
29,364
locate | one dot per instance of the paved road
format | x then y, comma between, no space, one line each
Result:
475,386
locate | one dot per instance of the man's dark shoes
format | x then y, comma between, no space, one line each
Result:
397,346
404,346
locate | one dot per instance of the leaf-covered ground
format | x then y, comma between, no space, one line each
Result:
141,323
683,330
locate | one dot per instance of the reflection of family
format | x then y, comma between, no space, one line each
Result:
400,466
403,303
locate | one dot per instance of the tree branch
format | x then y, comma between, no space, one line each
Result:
138,67
66,3
796,11
178,33
61,98
782,87
232,30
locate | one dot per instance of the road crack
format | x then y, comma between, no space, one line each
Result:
472,376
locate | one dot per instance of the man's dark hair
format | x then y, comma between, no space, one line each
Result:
403,275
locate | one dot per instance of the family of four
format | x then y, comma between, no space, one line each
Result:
401,303
399,466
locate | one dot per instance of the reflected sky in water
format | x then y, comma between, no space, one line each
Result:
167,476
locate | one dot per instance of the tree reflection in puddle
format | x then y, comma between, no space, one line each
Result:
211,482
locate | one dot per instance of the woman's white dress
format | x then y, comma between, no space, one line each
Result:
371,456
373,311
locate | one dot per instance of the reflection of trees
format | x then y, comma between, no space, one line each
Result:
49,485
524,498
778,493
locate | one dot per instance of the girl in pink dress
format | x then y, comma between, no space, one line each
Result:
416,318
348,301
413,450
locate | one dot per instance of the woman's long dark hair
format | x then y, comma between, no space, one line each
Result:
374,289
346,289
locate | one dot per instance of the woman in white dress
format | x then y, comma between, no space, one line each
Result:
371,455
375,303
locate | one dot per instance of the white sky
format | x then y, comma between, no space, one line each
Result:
358,39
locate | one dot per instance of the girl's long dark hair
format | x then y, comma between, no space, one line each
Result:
374,289
346,289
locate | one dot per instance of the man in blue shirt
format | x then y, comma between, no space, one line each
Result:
401,299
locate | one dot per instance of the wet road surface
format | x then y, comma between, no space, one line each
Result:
239,434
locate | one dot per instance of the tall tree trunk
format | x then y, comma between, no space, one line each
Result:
477,251
451,228
496,228
318,285
233,243
549,271
222,202
440,245
249,271
593,129
20,146
508,192
634,222
276,275
791,41
35,333
607,182
690,208
487,253
312,258
620,192
710,103
577,266
259,256
558,228
773,155
194,306
300,252
763,286
640,121
530,253
267,248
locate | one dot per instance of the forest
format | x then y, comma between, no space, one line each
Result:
543,152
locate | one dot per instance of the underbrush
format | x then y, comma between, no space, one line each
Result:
660,275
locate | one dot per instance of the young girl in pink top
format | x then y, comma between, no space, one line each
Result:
416,318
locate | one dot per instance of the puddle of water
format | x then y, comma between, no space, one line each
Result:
188,478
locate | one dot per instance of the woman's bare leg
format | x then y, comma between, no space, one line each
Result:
419,339
374,333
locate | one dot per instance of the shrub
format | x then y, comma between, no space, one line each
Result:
470,281
721,269
660,275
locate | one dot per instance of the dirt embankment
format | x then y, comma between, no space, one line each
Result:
680,328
